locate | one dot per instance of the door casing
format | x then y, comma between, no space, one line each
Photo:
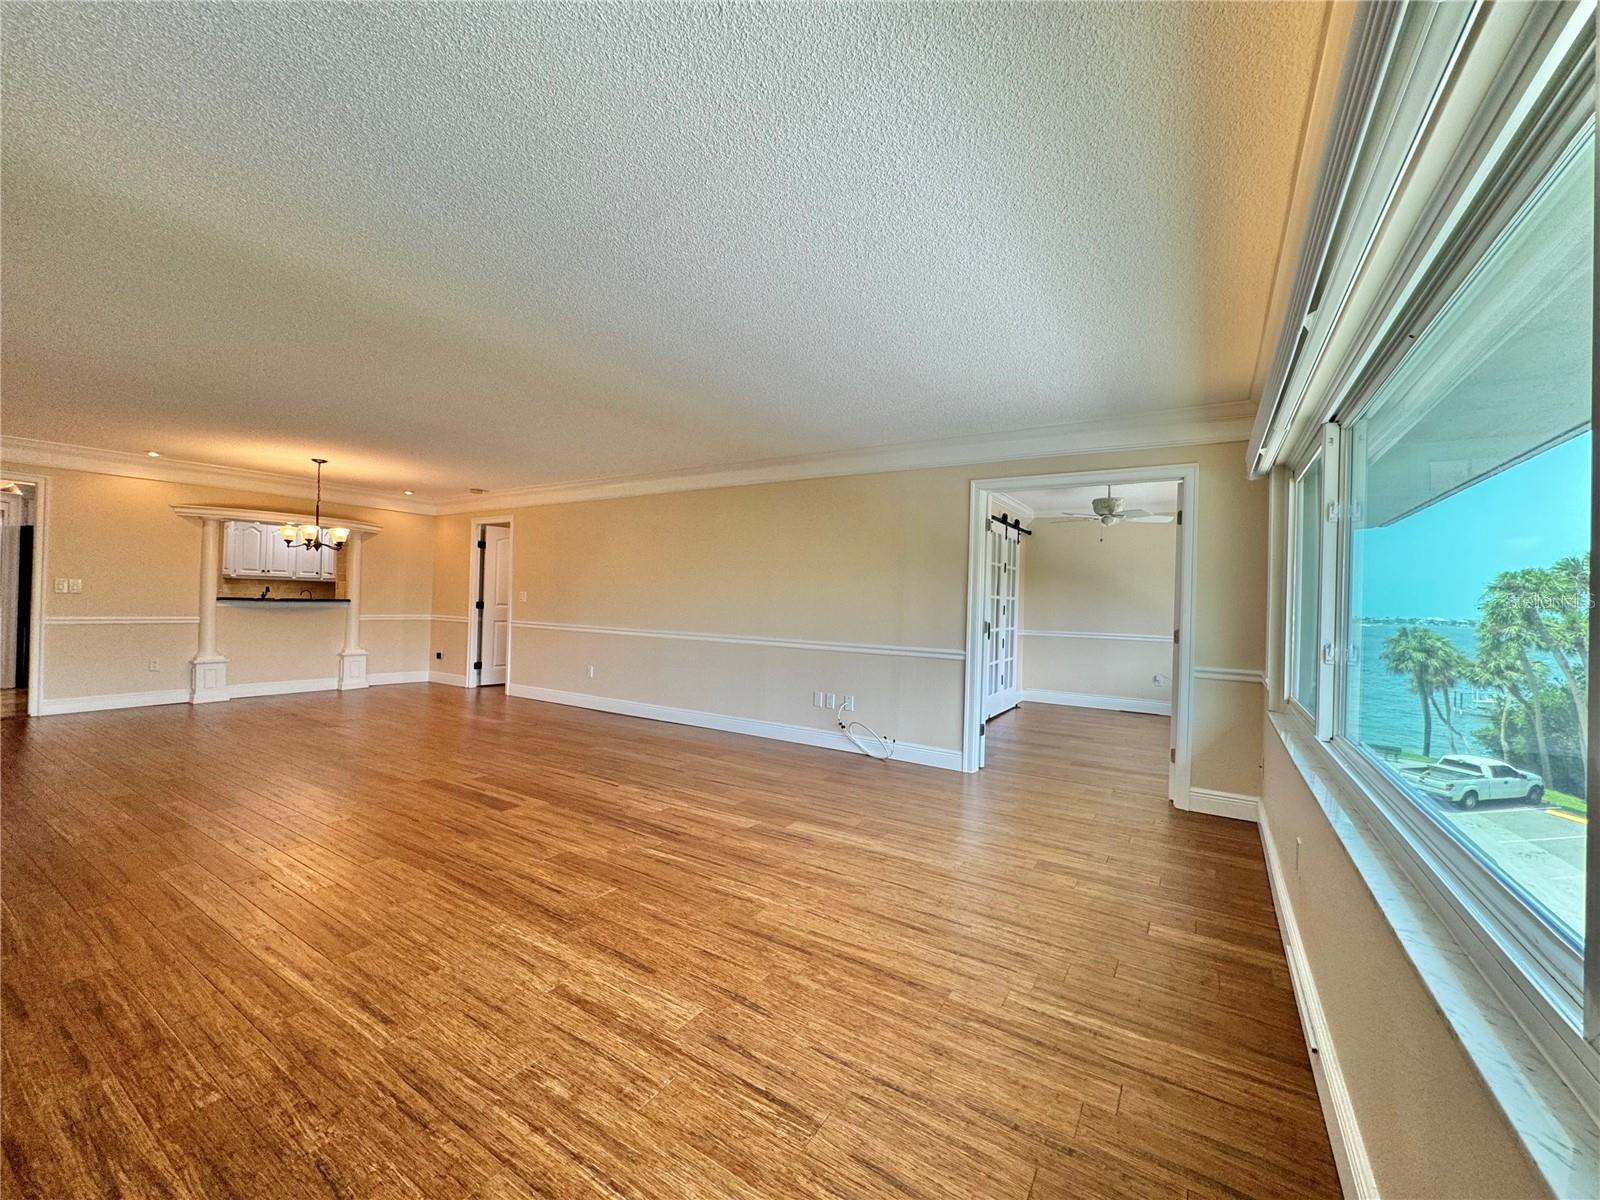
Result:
1187,476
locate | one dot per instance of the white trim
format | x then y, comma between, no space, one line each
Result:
1165,638
78,704
1199,426
452,618
1231,675
737,639
122,620
1224,804
136,465
237,691
1338,1110
36,613
1175,427
474,677
1159,708
447,678
805,735
263,516
1187,475
402,617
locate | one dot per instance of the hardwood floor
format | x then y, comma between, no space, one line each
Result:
417,942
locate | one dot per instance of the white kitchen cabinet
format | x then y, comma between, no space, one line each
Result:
305,562
253,550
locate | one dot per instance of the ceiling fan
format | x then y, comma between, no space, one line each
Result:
1112,510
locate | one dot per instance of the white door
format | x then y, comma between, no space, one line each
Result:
494,630
1000,688
1177,674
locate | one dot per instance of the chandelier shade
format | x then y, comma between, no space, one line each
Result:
314,536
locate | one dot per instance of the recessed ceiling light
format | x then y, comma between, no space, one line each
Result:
409,492
152,454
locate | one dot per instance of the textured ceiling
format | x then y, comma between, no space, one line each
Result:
502,245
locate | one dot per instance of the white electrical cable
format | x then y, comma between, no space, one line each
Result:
884,743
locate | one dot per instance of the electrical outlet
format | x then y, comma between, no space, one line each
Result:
61,584
849,704
75,585
155,665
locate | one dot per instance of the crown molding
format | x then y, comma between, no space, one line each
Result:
1174,427
16,451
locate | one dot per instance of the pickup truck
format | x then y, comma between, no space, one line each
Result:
1467,779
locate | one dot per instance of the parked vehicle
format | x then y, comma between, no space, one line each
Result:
1467,779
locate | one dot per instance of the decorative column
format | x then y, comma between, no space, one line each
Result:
352,659
208,670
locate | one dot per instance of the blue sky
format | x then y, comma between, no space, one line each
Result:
1436,562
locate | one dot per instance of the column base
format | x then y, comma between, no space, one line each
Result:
208,679
352,670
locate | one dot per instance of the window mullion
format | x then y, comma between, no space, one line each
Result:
1330,640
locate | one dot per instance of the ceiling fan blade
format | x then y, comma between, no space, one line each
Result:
1136,512
1154,519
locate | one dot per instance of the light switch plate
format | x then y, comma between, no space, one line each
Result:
61,584
75,585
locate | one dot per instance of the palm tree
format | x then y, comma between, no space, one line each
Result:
1505,642
1432,664
1542,607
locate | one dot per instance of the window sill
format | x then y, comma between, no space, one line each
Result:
1557,1132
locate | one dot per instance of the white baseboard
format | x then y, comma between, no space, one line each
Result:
237,691
78,704
1344,1133
1224,804
459,681
805,735
1158,708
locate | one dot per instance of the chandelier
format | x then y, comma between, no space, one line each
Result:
314,536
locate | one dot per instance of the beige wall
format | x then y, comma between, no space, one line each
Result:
1079,577
1430,1127
137,558
868,559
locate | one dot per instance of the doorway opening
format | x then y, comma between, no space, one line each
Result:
1080,598
489,625
21,550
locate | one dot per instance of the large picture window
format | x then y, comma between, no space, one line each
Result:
1467,561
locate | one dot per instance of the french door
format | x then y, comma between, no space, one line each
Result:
1000,689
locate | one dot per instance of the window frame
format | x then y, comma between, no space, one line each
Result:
1448,118
1539,973
1294,600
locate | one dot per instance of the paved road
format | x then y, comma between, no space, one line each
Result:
1541,848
